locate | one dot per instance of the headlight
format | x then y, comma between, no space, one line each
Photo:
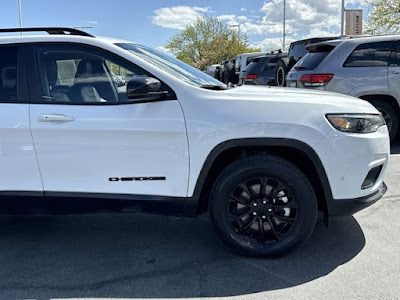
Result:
356,123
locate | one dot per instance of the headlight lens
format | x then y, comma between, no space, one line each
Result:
356,123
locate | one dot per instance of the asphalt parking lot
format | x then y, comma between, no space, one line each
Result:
145,256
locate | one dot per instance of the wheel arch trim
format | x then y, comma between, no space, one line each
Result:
192,203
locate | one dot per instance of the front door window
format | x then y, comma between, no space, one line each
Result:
78,75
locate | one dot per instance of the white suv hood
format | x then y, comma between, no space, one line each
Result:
343,103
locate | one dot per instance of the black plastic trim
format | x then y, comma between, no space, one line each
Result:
103,103
21,194
49,30
26,202
191,204
372,177
348,207
134,197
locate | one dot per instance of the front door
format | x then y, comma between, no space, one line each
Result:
90,138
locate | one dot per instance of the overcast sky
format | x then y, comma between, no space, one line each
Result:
154,22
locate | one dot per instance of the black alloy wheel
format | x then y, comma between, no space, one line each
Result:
262,210
263,206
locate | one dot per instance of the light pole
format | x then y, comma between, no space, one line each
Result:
284,26
342,22
20,14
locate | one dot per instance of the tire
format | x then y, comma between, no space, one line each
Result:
287,209
281,73
390,115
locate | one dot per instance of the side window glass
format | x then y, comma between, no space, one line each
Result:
271,65
370,55
237,64
119,75
71,74
8,74
297,51
396,54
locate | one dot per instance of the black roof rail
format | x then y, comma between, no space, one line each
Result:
49,30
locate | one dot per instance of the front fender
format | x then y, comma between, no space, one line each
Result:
192,202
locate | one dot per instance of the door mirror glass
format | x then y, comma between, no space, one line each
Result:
143,88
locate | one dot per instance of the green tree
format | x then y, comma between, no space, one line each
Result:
208,41
384,16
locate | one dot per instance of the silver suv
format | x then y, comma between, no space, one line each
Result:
367,68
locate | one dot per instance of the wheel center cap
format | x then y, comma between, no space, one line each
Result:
260,207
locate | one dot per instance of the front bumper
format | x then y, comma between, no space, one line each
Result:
348,159
348,207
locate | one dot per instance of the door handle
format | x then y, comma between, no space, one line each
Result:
55,118
396,72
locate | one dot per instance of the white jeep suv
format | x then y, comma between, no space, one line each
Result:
263,161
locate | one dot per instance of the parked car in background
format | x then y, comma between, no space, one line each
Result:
262,69
227,72
242,61
212,70
296,51
367,68
221,70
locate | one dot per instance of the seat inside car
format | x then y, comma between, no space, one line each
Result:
8,83
58,92
93,83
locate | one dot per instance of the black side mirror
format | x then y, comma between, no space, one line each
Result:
145,89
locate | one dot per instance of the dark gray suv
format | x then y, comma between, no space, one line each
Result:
367,68
262,69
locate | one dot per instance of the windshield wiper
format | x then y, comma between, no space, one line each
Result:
213,87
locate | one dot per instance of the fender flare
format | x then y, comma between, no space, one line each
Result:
191,203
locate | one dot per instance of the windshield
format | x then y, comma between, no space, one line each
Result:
172,65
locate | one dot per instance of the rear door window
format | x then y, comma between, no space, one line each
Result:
8,73
311,61
370,55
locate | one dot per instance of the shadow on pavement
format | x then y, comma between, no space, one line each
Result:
142,256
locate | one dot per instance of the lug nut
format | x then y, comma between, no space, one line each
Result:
264,202
264,217
270,210
254,204
254,214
